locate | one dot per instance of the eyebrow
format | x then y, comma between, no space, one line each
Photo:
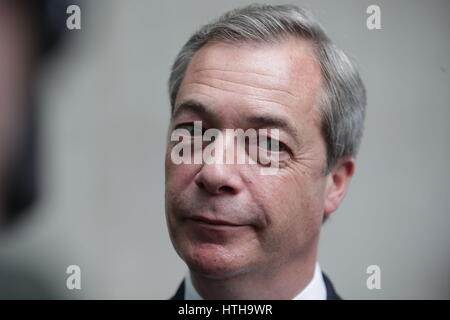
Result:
274,122
192,106
266,120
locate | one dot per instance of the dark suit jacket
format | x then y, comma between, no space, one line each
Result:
331,293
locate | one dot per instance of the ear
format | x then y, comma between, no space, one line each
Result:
337,183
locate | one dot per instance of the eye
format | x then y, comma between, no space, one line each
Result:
272,145
190,128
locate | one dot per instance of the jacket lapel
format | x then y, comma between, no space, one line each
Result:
331,293
179,295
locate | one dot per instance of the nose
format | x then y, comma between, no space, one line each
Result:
219,179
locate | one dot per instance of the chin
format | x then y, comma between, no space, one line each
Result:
214,261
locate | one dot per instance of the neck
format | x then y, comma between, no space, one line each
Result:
283,282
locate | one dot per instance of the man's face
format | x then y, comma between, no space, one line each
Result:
227,219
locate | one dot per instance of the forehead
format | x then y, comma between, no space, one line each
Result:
279,77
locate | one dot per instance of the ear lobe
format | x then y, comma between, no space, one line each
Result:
338,181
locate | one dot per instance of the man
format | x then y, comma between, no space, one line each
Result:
243,234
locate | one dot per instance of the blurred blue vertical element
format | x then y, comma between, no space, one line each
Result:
46,23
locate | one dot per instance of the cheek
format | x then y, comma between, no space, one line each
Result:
176,173
178,181
294,209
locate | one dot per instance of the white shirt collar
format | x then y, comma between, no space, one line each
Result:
315,290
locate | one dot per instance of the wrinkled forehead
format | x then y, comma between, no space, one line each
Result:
290,63
285,72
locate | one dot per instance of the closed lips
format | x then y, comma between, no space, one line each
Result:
214,221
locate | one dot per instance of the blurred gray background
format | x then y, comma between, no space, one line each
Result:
103,125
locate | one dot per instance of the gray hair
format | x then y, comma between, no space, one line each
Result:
342,97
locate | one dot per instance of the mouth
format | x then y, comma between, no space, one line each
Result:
211,230
213,222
